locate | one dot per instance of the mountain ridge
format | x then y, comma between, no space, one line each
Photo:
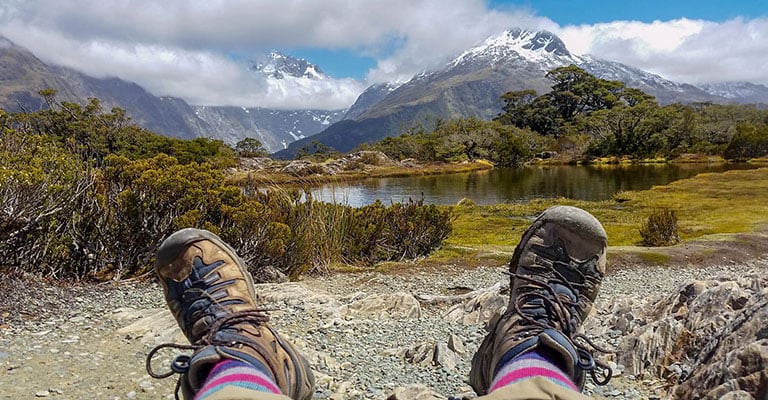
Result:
471,85
468,85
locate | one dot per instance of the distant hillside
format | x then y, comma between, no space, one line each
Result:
23,75
472,83
739,92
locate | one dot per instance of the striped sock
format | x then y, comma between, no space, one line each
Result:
529,365
240,374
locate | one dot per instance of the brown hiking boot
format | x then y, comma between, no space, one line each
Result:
555,272
211,294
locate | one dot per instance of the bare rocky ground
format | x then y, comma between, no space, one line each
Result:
365,334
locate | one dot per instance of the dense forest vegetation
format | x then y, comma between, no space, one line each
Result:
86,193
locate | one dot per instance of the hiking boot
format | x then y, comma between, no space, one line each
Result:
555,272
211,294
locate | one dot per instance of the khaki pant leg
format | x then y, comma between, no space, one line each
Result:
237,393
536,388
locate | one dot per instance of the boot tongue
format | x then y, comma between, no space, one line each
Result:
567,354
550,309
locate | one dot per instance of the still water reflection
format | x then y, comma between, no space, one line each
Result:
517,184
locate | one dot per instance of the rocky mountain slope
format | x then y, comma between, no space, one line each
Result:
469,85
664,90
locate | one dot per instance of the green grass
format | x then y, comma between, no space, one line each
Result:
707,204
651,257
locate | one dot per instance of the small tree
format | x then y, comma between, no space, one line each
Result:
660,229
251,147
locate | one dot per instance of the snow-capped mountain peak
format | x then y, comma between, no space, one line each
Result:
535,46
277,65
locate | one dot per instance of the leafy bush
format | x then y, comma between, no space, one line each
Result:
749,141
461,140
414,229
364,241
251,147
400,231
40,189
660,229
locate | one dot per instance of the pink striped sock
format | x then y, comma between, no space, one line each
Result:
240,374
529,365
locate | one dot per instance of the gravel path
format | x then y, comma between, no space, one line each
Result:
62,341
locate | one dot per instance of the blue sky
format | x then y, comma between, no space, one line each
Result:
337,63
566,12
346,63
185,48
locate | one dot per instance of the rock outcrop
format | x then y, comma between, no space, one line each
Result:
384,305
709,339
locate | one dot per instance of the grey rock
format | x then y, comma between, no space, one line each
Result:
737,395
371,157
445,357
255,163
708,335
303,168
422,354
154,326
414,392
456,344
478,310
268,274
384,305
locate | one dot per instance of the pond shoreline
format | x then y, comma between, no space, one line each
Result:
594,182
376,165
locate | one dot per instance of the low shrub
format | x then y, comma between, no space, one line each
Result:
401,231
660,229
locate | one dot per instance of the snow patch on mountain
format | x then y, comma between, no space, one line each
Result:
287,82
277,65
541,47
632,77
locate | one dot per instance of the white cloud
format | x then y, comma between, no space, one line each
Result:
183,48
200,77
683,50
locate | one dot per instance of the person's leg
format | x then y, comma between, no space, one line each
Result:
531,350
237,355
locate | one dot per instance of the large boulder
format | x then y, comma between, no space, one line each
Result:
303,168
